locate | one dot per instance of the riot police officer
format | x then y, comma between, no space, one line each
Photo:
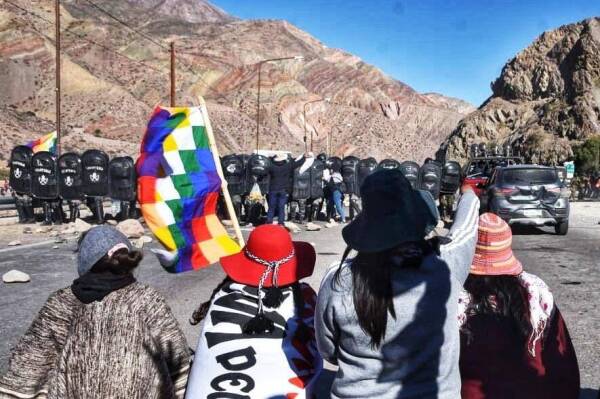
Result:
122,185
95,181
20,182
44,186
69,182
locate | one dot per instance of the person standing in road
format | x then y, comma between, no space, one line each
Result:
398,337
334,180
105,336
281,171
514,341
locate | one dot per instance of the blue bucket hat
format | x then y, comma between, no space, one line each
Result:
99,241
393,213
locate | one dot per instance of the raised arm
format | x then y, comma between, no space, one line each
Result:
458,253
296,163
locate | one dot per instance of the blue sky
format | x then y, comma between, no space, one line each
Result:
453,47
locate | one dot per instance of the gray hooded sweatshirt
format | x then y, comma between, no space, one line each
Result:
418,358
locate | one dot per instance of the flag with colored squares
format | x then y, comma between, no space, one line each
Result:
45,143
178,188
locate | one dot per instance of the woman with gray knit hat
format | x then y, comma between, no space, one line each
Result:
105,336
399,337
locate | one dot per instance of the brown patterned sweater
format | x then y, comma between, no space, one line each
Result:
129,345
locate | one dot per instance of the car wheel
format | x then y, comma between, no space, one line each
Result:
562,228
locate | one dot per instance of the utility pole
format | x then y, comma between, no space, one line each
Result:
260,64
172,74
57,83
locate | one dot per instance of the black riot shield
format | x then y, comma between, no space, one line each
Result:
365,168
234,172
334,163
69,177
316,179
44,178
411,171
94,165
389,164
451,177
258,171
301,184
122,179
350,174
20,169
430,178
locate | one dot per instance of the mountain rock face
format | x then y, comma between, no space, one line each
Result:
546,99
108,98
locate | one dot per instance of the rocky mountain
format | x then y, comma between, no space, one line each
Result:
108,95
546,99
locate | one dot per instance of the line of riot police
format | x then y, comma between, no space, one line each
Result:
310,195
42,180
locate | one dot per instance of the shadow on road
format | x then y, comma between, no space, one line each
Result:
529,230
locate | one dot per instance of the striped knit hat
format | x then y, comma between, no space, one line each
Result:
494,255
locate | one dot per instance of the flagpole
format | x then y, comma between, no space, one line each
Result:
57,83
215,152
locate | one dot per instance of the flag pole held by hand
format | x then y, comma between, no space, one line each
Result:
215,152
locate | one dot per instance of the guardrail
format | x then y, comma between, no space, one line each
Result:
7,204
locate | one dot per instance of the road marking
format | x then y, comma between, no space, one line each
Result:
37,244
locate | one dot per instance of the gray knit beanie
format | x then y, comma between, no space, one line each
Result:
99,241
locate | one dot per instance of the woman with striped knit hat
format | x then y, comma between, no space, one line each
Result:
514,341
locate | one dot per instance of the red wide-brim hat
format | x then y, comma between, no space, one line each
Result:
270,243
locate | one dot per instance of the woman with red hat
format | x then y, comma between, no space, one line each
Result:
257,340
514,341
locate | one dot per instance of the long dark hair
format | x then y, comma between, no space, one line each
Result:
122,261
502,296
372,283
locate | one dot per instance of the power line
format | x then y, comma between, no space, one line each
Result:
161,45
83,37
183,62
126,25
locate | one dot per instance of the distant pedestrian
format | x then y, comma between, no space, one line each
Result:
514,341
281,171
387,317
257,340
334,180
105,336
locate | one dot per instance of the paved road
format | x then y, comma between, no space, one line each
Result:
568,264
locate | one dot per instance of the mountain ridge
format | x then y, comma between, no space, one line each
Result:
545,101
110,96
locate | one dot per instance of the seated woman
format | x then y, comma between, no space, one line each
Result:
387,316
106,336
257,340
514,341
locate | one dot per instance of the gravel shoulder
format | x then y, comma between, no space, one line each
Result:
569,265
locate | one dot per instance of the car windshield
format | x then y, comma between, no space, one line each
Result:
530,176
